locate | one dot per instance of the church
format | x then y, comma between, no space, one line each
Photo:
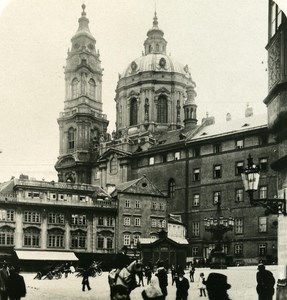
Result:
188,166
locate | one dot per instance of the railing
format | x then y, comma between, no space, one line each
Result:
53,184
73,112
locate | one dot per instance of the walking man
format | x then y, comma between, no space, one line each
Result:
265,283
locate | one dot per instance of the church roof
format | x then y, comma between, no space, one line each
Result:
155,62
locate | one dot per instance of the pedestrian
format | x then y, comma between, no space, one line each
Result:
265,283
119,292
16,287
4,274
161,273
140,276
217,286
148,274
173,274
85,281
182,286
191,274
201,285
153,290
67,269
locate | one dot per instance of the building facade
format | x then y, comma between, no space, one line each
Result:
158,135
49,216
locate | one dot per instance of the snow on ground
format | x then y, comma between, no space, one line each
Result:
242,280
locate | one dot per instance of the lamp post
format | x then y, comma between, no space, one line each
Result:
250,177
218,226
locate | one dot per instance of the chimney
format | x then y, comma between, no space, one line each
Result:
248,111
228,117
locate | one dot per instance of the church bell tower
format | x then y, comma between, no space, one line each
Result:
82,124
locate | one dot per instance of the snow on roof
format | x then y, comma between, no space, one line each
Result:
232,126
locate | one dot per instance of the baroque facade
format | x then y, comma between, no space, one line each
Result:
157,135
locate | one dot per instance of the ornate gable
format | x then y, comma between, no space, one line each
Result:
162,90
142,186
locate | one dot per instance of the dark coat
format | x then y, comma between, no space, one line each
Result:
182,287
16,286
265,283
145,297
162,278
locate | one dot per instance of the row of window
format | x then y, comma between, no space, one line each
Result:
76,91
137,222
154,205
54,218
55,239
162,110
196,152
238,196
237,250
239,168
238,226
57,196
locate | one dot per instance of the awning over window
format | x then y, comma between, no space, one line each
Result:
46,255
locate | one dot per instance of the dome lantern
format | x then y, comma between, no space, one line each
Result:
155,42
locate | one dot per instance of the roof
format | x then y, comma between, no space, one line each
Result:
151,62
147,241
141,185
230,127
9,186
174,219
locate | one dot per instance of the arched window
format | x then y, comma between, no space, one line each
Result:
162,110
56,238
92,88
113,165
6,236
71,138
157,47
171,188
75,83
133,112
78,239
32,237
149,48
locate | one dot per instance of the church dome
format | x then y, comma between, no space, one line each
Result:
155,62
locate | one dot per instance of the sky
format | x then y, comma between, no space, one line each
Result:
223,42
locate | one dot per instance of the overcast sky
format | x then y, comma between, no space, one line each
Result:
223,42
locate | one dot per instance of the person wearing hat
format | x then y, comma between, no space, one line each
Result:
265,283
16,286
217,286
201,285
182,286
161,273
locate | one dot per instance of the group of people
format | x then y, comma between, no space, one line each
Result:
12,284
215,287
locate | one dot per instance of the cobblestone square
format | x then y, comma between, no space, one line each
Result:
242,280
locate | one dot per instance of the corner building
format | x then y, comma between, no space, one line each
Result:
158,136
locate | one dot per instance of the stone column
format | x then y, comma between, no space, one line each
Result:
44,230
19,228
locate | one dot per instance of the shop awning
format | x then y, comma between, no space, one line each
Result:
46,255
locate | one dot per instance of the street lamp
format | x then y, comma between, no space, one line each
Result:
250,177
218,226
